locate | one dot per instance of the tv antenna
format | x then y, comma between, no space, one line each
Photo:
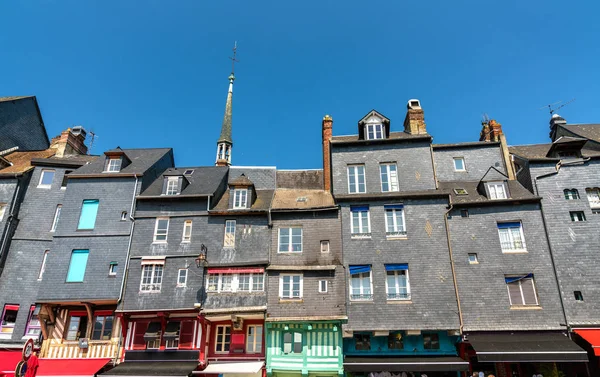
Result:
93,137
553,106
485,118
233,59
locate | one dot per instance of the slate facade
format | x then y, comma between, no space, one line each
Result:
21,124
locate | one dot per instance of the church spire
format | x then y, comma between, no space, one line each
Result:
225,141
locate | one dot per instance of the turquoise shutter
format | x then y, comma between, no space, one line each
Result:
77,266
87,220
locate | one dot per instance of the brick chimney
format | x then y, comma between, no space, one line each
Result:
491,131
555,122
327,133
414,123
69,142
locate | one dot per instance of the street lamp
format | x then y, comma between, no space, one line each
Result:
201,259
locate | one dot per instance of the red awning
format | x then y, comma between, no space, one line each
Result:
11,307
70,367
592,336
9,361
236,270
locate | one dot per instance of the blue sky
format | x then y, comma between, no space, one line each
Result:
154,73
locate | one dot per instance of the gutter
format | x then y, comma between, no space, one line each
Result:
9,222
460,316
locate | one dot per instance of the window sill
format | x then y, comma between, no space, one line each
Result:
396,238
289,252
361,192
290,300
159,242
399,301
361,301
145,292
362,236
112,275
188,242
44,187
84,229
526,307
73,282
515,251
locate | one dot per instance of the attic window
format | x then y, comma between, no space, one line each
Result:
114,165
188,172
302,199
496,190
460,191
172,186
374,131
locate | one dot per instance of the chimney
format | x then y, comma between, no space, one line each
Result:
70,142
490,131
414,123
327,133
556,121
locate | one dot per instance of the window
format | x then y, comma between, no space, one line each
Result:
242,282
152,335
123,215
362,342
497,190
77,327
577,216
188,172
172,186
182,277
473,258
2,210
389,177
89,210
290,286
77,265
292,342
56,217
290,240
161,229
397,285
459,164
464,213
394,221
511,236
114,165
322,286
46,178
356,179
240,198
324,246
151,278
572,194
360,283
103,325
395,341
63,185
43,266
34,327
223,339
461,191
254,339
171,334
593,196
578,296
374,131
112,268
521,290
229,234
431,341
9,318
257,282
187,231
361,227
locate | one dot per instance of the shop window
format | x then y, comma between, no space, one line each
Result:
77,327
292,342
431,341
103,326
362,342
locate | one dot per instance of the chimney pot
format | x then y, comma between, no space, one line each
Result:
69,142
414,123
413,104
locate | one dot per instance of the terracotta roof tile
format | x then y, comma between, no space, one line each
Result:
302,199
21,161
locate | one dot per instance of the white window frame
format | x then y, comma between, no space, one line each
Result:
155,280
43,266
124,216
223,336
325,246
44,171
323,286
512,240
290,238
462,160
474,260
574,215
179,283
493,190
360,224
378,130
2,210
112,268
166,232
56,217
397,285
362,288
172,186
353,171
290,295
113,165
573,194
537,301
392,177
229,239
187,224
258,341
217,282
593,197
240,198
396,232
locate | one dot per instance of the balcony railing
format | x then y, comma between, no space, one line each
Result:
361,297
71,349
514,245
398,296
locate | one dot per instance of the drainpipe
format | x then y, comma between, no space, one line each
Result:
9,222
460,316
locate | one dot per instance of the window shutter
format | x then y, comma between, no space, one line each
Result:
529,292
186,335
138,338
514,292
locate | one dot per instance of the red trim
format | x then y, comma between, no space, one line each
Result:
104,312
70,367
11,307
592,336
241,270
78,313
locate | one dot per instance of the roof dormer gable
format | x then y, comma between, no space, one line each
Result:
115,161
494,185
241,193
373,126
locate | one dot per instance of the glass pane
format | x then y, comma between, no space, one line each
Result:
389,214
355,222
89,210
47,177
365,222
77,265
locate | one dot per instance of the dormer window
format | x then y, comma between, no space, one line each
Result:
114,165
172,186
240,198
374,131
496,190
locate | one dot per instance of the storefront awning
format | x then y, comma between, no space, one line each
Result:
152,369
405,364
70,367
525,346
250,367
592,336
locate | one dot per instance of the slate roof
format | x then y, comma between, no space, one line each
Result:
264,178
261,204
477,144
141,161
588,131
69,160
294,199
397,135
300,179
516,191
242,180
539,152
205,180
21,124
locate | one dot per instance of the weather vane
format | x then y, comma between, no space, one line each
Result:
233,59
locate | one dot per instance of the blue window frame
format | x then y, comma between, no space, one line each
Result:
89,210
77,265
